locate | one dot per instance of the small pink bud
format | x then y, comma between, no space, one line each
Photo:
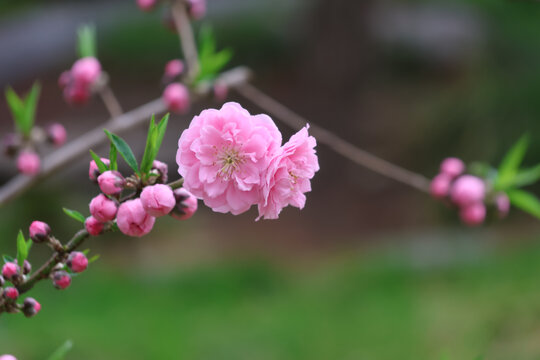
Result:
77,262
27,267
221,91
11,293
39,231
64,79
10,144
132,220
174,68
452,167
162,169
30,307
77,94
158,200
7,357
473,214
103,208
440,186
28,163
93,170
57,134
111,182
61,280
502,203
10,269
146,5
186,204
176,97
86,71
93,226
197,8
468,189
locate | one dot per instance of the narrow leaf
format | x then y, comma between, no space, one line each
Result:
124,150
525,201
146,163
511,162
86,41
30,106
16,105
8,258
93,258
62,351
74,215
100,164
22,249
113,157
527,176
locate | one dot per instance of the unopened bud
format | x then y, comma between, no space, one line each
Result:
186,204
93,226
61,279
56,134
28,163
162,170
39,231
27,267
10,270
77,262
11,293
111,182
30,307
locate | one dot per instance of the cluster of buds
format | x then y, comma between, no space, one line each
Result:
9,293
135,216
196,8
24,148
81,80
471,195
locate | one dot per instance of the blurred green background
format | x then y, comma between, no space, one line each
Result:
370,269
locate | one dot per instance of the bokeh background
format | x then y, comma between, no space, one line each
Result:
370,269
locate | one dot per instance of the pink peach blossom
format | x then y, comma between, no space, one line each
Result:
224,154
103,208
29,163
186,204
132,220
468,189
158,200
440,186
288,175
452,167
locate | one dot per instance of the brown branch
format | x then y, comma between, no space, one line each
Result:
342,147
111,102
187,40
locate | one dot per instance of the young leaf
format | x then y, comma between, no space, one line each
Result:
525,201
30,108
74,215
86,42
93,258
62,351
162,128
8,258
146,163
511,162
527,176
210,61
100,164
113,157
124,150
22,249
16,105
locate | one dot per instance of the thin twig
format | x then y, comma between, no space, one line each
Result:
111,102
342,147
187,40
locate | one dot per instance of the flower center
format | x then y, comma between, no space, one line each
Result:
230,160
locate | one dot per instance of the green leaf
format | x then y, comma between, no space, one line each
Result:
8,258
74,215
527,176
22,249
210,61
93,258
124,150
62,351
113,157
86,41
16,106
100,164
146,163
511,162
30,107
525,201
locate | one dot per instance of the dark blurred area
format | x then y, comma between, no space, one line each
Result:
369,261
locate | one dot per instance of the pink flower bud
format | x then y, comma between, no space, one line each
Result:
77,94
77,262
440,186
158,200
174,68
111,182
186,204
162,169
7,357
197,8
30,308
61,280
27,267
103,208
176,97
28,163
11,293
10,269
220,91
146,5
64,79
10,144
473,214
502,203
468,189
93,170
93,226
132,220
452,167
39,231
86,71
57,134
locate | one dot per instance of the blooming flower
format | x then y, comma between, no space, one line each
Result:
288,175
132,220
224,154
